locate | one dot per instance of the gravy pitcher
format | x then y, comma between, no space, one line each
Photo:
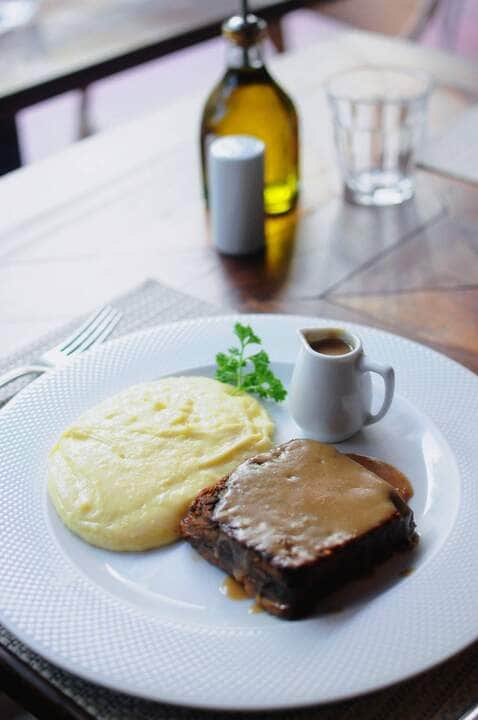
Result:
331,391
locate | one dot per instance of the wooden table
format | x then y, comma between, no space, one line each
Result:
102,216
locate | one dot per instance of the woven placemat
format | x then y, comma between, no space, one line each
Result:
441,694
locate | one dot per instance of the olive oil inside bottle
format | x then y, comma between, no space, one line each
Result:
248,101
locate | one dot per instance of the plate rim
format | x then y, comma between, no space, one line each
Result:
103,682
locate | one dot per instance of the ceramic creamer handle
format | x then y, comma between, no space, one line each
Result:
388,374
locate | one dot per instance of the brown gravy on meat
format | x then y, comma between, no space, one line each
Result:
301,498
387,472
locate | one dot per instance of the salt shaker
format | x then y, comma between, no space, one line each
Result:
236,194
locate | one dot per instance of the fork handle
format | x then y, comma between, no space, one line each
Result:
19,372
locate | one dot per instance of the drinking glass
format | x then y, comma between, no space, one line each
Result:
379,117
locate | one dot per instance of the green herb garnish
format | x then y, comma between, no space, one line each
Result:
260,380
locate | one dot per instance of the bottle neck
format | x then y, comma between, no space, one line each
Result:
239,57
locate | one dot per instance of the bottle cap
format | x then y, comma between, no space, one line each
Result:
244,31
236,194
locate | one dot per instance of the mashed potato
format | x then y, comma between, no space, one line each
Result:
123,475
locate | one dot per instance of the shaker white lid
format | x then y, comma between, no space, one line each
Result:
238,148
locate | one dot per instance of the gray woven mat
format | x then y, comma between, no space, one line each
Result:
441,694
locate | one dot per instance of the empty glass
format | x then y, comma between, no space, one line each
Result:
379,117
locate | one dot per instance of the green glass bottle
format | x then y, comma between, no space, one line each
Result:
248,101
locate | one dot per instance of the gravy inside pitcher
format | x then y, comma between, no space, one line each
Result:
330,346
329,341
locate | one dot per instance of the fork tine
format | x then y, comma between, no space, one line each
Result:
90,323
100,333
98,325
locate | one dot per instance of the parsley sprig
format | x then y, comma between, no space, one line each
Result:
260,380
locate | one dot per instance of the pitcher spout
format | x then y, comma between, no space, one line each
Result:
304,337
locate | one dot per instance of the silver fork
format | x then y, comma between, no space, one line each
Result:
93,331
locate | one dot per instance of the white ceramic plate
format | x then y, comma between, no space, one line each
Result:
156,625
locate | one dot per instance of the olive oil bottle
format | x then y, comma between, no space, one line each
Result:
248,101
